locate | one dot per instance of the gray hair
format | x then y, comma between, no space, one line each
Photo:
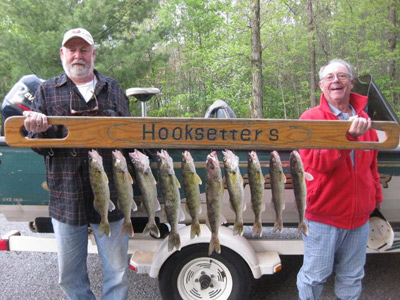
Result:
338,61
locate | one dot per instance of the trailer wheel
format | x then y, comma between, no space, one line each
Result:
192,274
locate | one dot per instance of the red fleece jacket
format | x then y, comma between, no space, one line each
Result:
341,195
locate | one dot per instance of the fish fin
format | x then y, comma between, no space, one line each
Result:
257,229
241,180
222,187
140,206
261,177
244,204
157,205
263,206
200,210
283,177
111,206
197,179
308,176
208,223
45,186
131,181
233,177
223,219
303,228
127,228
238,228
272,203
104,228
105,177
181,214
195,229
186,206
214,245
176,181
134,205
174,241
278,225
151,227
153,180
231,206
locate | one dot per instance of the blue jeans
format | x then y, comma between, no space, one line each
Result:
72,247
329,249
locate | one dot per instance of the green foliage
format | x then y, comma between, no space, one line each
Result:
199,51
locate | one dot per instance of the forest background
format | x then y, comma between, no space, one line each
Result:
261,57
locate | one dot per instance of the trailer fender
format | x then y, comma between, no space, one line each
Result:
235,242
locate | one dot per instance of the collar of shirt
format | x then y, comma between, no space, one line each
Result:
338,113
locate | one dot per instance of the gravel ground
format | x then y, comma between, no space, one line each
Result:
30,275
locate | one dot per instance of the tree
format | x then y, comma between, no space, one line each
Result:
311,31
256,61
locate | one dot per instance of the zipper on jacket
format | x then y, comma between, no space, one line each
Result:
355,190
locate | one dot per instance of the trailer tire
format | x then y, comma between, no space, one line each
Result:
192,274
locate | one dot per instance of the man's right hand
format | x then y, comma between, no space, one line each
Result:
359,126
35,122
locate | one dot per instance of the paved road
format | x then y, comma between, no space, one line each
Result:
28,275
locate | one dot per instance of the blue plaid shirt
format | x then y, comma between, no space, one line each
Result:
67,170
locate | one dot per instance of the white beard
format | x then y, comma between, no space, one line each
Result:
77,71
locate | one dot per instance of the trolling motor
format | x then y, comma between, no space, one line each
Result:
143,95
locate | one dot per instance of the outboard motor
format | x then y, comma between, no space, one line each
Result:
20,97
219,109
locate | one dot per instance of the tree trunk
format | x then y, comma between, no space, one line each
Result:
392,47
311,31
256,61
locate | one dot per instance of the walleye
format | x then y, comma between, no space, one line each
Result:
191,182
234,183
147,186
101,191
169,187
214,194
299,187
123,184
256,182
278,180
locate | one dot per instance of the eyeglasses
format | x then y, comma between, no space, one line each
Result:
331,77
88,112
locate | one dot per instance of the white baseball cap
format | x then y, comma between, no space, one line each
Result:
80,33
381,235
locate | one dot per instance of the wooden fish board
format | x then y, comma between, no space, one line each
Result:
200,133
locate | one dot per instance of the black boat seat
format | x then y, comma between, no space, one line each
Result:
219,109
142,94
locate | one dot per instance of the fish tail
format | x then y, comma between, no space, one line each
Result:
104,228
127,228
257,229
174,240
278,225
303,228
151,228
195,229
238,228
214,245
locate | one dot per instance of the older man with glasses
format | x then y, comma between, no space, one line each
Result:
344,192
80,91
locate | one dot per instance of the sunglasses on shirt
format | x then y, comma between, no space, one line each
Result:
88,112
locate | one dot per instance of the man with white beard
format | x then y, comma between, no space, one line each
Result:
80,91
